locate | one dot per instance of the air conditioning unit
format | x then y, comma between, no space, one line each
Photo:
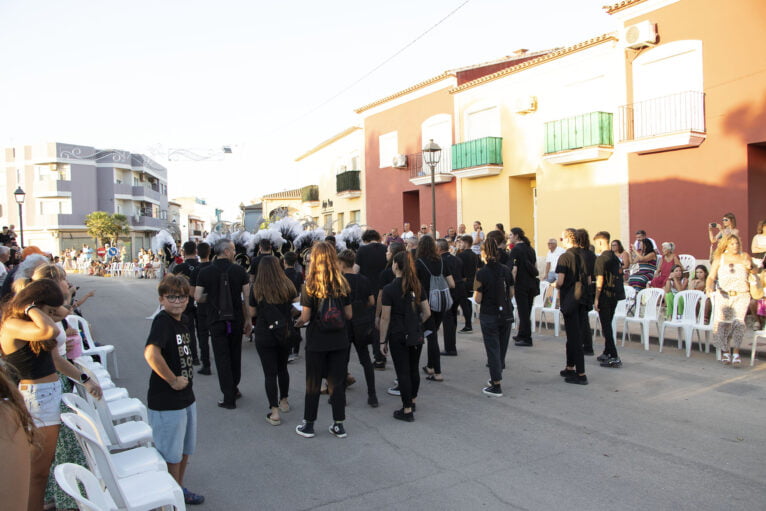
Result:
400,161
639,35
525,105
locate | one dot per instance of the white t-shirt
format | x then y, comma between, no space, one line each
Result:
407,235
553,257
638,244
478,238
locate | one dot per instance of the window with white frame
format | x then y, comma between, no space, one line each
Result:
482,122
388,147
55,206
439,128
355,217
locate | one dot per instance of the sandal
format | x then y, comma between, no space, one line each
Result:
273,422
735,360
428,370
725,359
432,377
284,408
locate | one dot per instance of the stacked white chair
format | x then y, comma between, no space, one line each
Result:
106,353
125,435
646,311
70,477
683,323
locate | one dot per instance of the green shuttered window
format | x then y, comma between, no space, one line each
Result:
586,130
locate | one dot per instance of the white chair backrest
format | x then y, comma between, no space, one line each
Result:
626,305
86,330
78,424
70,476
690,299
701,311
102,459
648,303
539,299
689,262
84,409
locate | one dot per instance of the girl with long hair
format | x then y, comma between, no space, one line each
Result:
523,261
569,271
273,293
326,308
647,265
28,340
728,282
673,285
428,264
624,256
494,288
405,291
18,437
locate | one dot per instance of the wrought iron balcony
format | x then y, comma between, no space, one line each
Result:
347,184
420,172
310,193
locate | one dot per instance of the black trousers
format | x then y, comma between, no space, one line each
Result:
606,315
573,322
406,361
203,338
227,349
363,352
274,363
467,307
191,317
524,301
449,325
496,333
434,360
334,364
587,332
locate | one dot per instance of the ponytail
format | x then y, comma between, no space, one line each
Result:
490,250
410,281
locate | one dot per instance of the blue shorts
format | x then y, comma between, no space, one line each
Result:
175,432
43,401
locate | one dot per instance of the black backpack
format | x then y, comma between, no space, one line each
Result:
330,315
413,326
224,309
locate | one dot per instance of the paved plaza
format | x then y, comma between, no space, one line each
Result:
663,432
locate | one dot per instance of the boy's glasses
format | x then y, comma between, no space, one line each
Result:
176,298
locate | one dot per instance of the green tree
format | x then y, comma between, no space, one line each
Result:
106,227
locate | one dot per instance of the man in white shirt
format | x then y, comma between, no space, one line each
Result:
478,237
407,233
551,259
638,243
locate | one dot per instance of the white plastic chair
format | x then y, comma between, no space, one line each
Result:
115,436
758,334
70,476
683,323
646,311
104,352
538,302
554,311
139,492
126,463
701,327
689,262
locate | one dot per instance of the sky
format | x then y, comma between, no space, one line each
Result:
269,79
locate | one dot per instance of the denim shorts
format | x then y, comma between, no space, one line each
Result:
175,432
43,401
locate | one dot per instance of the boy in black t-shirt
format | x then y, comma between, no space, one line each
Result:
172,408
290,259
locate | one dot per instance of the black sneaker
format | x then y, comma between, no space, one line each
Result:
588,353
372,401
228,406
394,391
603,357
379,365
466,330
613,362
577,379
337,429
523,342
400,415
567,373
492,391
306,429
204,370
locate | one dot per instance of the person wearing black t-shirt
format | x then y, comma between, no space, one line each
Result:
371,259
570,270
264,249
226,334
170,399
186,268
326,308
458,293
429,263
203,329
470,262
583,243
290,260
404,291
273,296
523,261
363,321
608,273
494,284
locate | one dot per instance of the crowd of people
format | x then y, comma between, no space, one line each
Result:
392,297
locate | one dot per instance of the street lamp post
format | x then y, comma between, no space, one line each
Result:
19,195
431,155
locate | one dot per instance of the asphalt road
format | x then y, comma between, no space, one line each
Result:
663,432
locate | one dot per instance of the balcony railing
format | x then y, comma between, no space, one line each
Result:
586,130
680,112
477,153
420,172
310,193
347,181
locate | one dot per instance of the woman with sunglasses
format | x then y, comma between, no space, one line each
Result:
727,227
728,279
